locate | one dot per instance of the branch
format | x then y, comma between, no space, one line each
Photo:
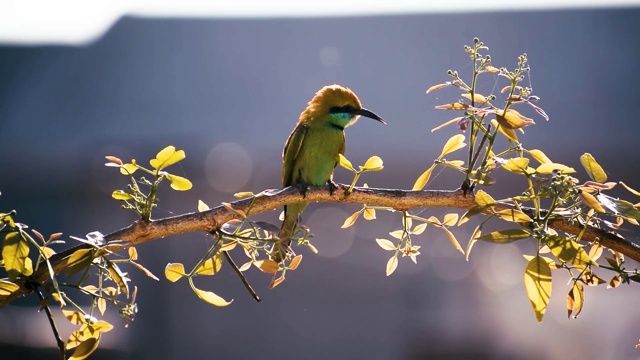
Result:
211,220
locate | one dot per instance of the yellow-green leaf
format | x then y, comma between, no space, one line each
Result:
419,229
121,195
118,277
374,163
128,169
537,283
369,214
202,206
79,261
86,348
474,238
211,297
268,266
575,300
386,244
619,206
174,271
508,133
351,219
514,216
144,270
447,123
392,264
454,143
453,106
7,287
166,157
476,97
450,219
512,119
634,192
505,236
568,251
398,234
74,317
539,156
591,202
453,240
101,326
179,183
14,253
345,163
517,165
549,168
595,171
550,262
423,179
211,266
483,199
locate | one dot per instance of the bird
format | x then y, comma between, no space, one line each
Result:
311,151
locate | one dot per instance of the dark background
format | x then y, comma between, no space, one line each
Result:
228,92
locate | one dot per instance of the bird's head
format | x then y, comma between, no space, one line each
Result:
339,105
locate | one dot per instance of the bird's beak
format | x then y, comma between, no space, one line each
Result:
370,114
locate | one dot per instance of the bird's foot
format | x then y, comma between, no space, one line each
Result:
303,189
332,187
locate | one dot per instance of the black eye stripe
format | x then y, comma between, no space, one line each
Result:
342,109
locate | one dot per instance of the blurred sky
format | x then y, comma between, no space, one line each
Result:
229,90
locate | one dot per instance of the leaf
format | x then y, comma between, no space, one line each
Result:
144,270
128,169
174,271
392,264
351,219
518,165
179,183
568,251
539,156
121,195
345,163
615,282
423,179
166,157
549,168
295,262
211,266
591,202
512,119
86,348
453,106
386,244
276,282
575,300
453,240
15,250
438,86
374,163
594,170
133,253
398,234
419,229
7,287
74,317
369,214
513,216
454,143
102,305
550,262
508,133
476,97
450,219
211,297
505,236
619,206
537,283
118,277
447,123
79,261
474,238
202,206
114,160
483,199
634,192
268,266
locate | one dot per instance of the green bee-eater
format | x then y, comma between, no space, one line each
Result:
311,151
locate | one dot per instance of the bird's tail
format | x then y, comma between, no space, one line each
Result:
281,247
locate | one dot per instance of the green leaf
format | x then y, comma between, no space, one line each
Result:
121,195
518,165
568,250
374,163
202,206
128,169
537,283
7,287
345,163
14,253
483,199
454,143
210,297
174,271
595,171
386,244
166,157
505,236
79,260
539,156
179,183
513,216
423,179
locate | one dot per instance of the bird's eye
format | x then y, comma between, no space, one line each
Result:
342,110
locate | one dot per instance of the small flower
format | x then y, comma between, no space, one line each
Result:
412,252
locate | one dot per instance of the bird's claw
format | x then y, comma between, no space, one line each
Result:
303,189
332,187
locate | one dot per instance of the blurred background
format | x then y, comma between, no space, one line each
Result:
229,89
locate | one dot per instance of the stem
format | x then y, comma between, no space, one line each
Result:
242,277
52,323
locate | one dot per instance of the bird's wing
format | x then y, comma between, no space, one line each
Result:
290,153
